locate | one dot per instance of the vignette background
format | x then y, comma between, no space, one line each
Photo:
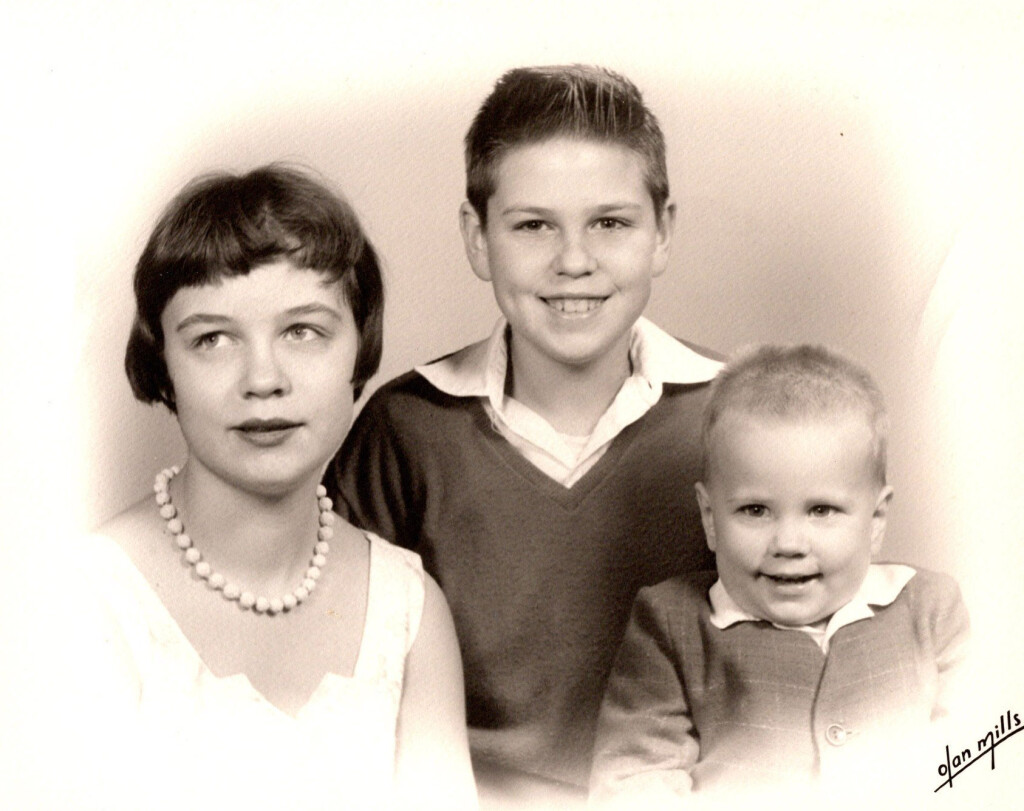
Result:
844,174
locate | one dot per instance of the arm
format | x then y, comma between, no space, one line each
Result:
646,741
951,632
432,763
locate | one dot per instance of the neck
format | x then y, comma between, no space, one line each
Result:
571,398
262,540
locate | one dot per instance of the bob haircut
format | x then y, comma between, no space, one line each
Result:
224,225
529,105
795,382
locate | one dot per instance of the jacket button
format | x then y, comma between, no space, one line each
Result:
836,734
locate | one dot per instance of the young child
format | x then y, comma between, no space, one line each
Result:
801,657
537,471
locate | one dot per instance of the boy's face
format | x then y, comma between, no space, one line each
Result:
571,245
793,511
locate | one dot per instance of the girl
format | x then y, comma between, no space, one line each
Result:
260,648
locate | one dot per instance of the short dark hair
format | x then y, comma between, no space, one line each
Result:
795,382
223,225
533,104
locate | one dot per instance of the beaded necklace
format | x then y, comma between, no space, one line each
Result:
231,591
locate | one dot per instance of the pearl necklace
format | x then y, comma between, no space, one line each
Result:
232,592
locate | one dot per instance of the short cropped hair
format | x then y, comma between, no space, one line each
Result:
533,104
795,382
223,225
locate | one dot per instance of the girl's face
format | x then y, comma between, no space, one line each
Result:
262,371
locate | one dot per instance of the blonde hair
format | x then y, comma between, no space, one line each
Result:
795,381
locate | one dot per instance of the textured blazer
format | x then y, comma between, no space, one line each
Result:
692,706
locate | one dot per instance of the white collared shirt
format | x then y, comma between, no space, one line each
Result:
480,370
882,584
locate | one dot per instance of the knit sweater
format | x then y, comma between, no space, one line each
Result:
539,578
692,705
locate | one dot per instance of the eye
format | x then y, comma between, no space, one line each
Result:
530,225
304,332
823,510
611,223
753,510
209,340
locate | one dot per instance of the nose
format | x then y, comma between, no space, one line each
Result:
575,257
789,539
264,375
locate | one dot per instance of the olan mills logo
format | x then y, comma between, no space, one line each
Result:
1008,726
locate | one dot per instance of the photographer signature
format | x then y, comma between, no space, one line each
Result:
1009,725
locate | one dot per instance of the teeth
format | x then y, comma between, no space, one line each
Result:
575,306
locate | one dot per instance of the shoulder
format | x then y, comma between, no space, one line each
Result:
129,519
411,386
99,603
398,584
935,608
933,595
932,588
409,414
138,531
682,595
401,564
409,397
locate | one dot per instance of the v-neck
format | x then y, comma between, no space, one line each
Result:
170,634
570,498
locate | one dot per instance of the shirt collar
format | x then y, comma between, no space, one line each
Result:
882,585
479,370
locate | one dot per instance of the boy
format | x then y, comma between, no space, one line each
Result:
802,657
536,471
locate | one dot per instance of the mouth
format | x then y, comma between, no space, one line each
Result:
266,433
266,426
575,306
790,579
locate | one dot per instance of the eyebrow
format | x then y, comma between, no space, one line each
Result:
313,308
200,318
604,208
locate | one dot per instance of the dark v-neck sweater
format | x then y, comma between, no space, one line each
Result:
539,578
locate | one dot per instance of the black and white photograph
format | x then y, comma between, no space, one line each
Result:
534,405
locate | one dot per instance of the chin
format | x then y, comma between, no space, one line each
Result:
278,483
796,621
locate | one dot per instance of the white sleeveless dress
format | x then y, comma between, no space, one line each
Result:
170,734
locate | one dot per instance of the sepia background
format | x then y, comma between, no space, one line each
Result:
848,174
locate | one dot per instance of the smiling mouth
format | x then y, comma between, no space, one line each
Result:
574,306
790,579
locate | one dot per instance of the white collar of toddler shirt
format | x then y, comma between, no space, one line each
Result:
882,585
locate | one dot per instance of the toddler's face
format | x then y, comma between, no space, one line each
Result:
793,511
571,245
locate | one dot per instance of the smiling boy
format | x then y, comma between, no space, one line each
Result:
800,658
537,471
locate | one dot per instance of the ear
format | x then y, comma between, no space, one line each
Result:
666,224
474,237
707,518
879,518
